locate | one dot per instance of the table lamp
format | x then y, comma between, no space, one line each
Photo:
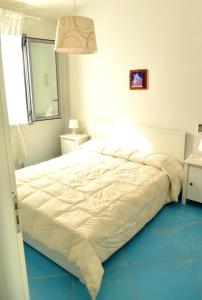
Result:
73,124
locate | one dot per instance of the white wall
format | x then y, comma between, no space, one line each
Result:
164,37
42,137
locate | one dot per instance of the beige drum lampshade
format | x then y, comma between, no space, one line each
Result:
75,34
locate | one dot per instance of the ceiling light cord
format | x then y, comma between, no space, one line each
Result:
75,8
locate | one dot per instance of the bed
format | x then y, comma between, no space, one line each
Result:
78,209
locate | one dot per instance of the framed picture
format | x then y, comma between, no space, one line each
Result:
138,79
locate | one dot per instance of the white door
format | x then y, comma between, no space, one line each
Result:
13,277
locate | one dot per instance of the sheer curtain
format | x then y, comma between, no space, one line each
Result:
11,22
11,25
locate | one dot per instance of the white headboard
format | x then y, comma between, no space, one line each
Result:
166,141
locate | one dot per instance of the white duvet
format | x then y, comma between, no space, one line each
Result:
83,206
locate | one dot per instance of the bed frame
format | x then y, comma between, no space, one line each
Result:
152,139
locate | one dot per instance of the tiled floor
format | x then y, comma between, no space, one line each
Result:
162,262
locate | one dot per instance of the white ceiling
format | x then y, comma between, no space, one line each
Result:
43,8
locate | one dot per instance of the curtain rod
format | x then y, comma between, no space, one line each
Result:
32,17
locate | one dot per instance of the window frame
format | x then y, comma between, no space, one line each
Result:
26,41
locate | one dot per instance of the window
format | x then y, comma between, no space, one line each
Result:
41,77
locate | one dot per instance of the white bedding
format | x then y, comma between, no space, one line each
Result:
83,206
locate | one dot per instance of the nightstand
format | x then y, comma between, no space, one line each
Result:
69,142
192,185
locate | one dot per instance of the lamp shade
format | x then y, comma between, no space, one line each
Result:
200,146
73,123
75,34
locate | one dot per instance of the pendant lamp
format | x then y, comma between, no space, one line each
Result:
75,34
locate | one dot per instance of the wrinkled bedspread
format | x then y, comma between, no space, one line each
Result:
85,205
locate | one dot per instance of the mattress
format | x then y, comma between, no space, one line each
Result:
83,206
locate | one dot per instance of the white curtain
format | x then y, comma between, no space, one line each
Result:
11,22
11,50
11,25
18,142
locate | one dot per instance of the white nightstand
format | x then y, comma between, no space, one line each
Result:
192,185
69,142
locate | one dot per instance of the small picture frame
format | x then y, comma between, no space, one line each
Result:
138,79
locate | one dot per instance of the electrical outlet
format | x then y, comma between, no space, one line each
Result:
199,128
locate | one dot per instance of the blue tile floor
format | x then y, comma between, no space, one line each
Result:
162,262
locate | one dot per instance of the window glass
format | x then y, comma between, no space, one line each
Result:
41,74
